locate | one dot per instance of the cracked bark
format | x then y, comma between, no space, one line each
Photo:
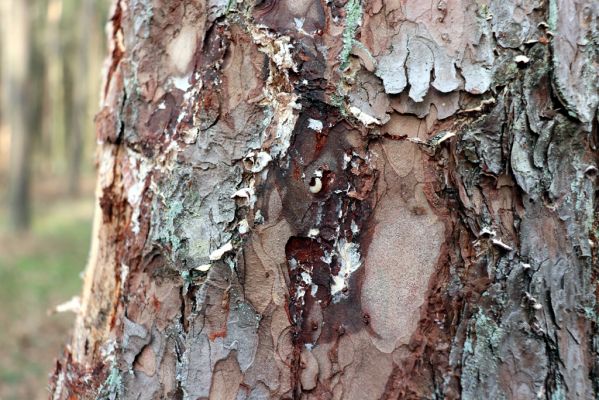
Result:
343,200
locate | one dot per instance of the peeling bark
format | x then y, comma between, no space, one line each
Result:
343,200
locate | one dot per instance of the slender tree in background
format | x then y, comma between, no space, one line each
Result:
15,47
72,42
49,68
343,200
76,70
57,106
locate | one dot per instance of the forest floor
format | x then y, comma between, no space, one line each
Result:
38,271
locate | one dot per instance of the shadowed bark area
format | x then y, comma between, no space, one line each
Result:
343,200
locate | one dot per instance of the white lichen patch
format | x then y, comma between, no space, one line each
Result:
306,278
203,267
256,161
258,218
327,258
243,227
501,244
488,233
349,261
220,252
314,290
190,136
365,119
313,233
315,125
124,274
354,227
346,160
293,264
246,193
485,231
521,59
299,23
300,292
181,82
533,301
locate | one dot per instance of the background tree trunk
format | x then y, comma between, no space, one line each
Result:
343,200
76,92
15,48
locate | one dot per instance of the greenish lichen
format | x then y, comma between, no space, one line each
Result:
353,18
479,356
338,100
112,388
559,392
553,12
483,11
231,6
174,208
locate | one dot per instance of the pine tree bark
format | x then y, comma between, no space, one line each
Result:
344,200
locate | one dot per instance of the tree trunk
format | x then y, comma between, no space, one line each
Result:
344,200
15,48
76,93
57,124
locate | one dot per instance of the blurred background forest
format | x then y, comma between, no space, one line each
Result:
51,57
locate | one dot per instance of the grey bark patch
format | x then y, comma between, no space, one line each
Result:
369,96
446,104
204,348
135,337
485,139
477,77
575,56
242,334
258,392
527,175
419,66
479,360
195,372
476,63
139,386
446,79
559,278
511,23
414,52
391,69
